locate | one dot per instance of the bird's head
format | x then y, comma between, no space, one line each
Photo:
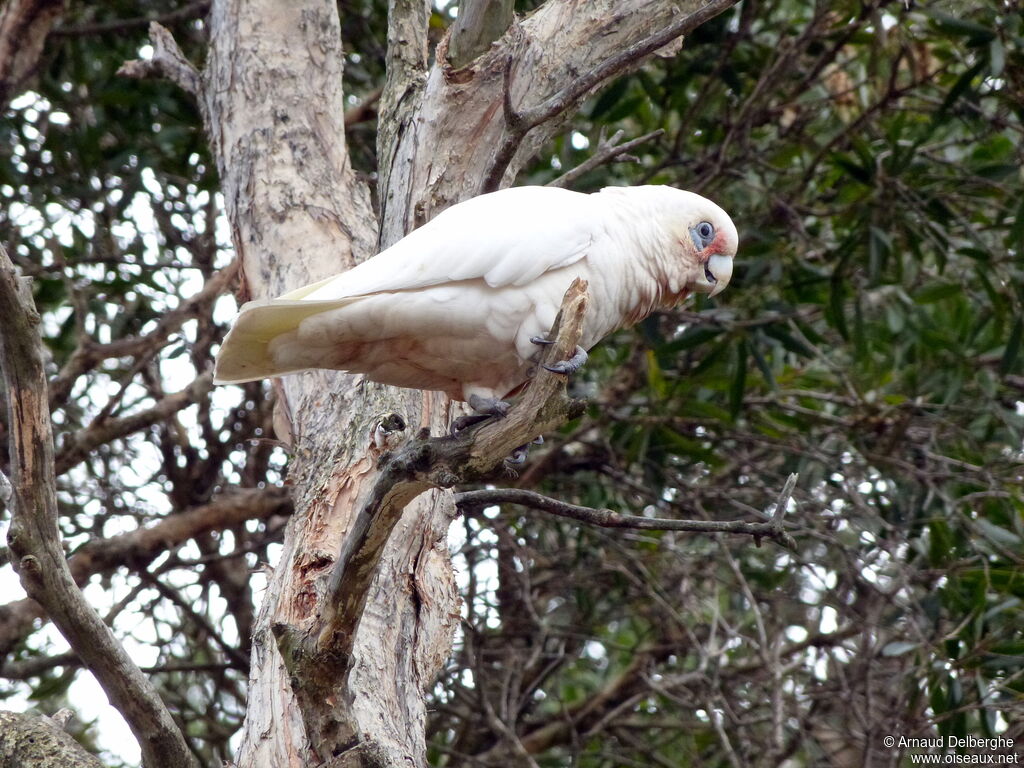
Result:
709,242
694,240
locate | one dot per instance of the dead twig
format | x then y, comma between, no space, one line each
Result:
168,62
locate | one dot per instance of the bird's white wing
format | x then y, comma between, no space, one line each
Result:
507,238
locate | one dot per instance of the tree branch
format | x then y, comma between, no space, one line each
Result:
89,353
102,431
445,461
193,10
35,538
37,741
519,122
607,518
168,62
479,23
607,150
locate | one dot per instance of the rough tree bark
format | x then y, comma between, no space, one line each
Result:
36,741
338,677
24,25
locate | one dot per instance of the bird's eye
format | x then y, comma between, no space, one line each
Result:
702,235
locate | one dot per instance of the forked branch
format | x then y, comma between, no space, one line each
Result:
168,62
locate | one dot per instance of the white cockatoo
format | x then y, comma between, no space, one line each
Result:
460,304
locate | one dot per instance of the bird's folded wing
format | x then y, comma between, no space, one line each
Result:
508,238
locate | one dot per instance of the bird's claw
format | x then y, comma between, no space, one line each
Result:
466,421
518,456
571,365
540,340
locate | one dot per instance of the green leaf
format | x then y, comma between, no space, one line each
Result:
976,33
898,648
936,291
998,534
739,378
762,362
790,342
958,89
1012,351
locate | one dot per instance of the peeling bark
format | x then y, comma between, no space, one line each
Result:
445,143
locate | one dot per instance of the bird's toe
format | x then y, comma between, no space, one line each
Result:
489,406
571,365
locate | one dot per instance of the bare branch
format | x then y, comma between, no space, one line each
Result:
35,538
193,10
168,62
102,431
34,666
783,500
607,518
37,740
443,462
90,354
607,150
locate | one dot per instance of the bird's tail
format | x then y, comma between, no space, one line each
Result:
245,352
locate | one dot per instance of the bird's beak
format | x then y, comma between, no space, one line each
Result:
714,275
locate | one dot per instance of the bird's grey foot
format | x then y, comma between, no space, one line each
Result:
485,408
540,340
489,406
571,365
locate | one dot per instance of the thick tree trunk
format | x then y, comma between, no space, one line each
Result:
341,659
274,106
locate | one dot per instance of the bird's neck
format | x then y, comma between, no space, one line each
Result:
657,272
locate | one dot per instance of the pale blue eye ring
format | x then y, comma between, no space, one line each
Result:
703,234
